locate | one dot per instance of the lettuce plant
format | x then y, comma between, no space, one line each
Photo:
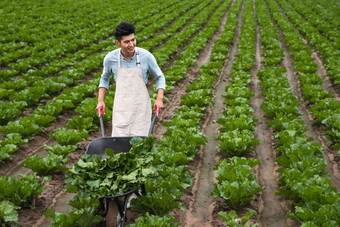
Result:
68,137
148,220
237,186
47,165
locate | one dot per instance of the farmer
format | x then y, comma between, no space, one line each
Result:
131,114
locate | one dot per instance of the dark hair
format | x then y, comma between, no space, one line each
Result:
124,29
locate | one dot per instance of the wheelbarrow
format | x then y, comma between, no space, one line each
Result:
118,145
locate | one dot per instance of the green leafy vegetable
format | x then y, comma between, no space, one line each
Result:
237,142
81,123
47,165
8,213
80,217
20,191
231,218
116,174
60,149
158,202
68,137
237,185
148,220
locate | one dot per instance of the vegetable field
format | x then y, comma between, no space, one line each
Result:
250,130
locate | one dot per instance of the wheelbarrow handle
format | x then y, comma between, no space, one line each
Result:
153,122
102,122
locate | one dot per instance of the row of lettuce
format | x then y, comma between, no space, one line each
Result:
68,138
19,131
303,178
237,184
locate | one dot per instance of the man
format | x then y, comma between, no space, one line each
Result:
131,115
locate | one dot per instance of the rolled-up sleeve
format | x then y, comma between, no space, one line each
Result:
156,72
105,77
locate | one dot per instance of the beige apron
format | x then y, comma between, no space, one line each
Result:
131,115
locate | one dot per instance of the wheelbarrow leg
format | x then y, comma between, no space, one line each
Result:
105,205
123,217
115,209
142,186
120,211
122,207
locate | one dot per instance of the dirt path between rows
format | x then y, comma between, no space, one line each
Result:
201,205
273,209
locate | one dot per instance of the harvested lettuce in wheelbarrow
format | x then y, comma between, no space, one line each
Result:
115,175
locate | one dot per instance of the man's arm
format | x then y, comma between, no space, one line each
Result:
101,104
158,74
104,81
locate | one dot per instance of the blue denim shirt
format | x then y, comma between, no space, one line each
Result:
148,65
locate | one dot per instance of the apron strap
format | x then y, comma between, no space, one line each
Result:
119,60
137,59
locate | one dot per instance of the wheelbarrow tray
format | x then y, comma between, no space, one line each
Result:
117,144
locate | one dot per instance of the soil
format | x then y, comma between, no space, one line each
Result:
202,208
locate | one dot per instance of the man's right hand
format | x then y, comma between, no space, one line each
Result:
100,106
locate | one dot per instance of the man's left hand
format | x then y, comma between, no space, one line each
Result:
159,101
158,106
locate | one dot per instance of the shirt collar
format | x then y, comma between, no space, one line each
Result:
133,57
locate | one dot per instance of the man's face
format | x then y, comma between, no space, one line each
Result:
128,44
